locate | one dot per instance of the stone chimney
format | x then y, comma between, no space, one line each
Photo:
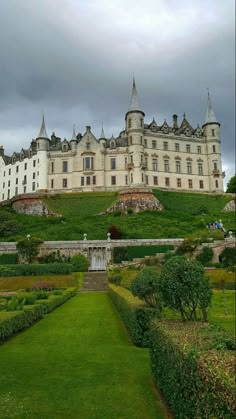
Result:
175,121
1,150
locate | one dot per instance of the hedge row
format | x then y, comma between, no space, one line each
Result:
132,252
13,322
135,314
193,369
35,269
8,258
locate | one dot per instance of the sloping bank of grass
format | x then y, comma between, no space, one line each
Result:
77,363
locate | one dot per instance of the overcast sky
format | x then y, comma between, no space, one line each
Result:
74,60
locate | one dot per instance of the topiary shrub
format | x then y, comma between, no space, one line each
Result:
146,287
185,288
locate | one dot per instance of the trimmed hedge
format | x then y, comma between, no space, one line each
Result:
8,258
194,369
35,269
13,322
132,252
134,312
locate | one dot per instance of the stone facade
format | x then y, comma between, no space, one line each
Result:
143,155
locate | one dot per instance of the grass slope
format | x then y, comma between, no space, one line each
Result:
185,214
77,363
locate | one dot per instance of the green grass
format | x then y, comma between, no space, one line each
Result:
185,214
77,363
217,315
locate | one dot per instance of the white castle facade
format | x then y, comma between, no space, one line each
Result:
177,157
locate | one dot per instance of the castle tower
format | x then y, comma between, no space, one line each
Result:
135,128
42,142
211,130
73,141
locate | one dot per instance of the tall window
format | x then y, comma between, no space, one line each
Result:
87,180
88,163
200,169
131,159
52,183
199,150
52,167
33,186
65,166
214,148
130,140
64,183
126,161
215,165
166,166
178,183
217,183
155,180
94,180
178,166
188,148
34,163
165,145
154,165
213,132
113,180
154,144
146,162
17,169
146,180
25,166
190,183
129,123
145,142
201,185
113,163
82,181
167,181
131,178
126,179
189,167
176,146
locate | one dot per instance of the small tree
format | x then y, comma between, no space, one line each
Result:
80,262
114,232
231,185
185,288
28,248
146,287
205,256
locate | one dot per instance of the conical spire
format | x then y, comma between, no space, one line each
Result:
134,103
43,132
210,116
102,133
74,138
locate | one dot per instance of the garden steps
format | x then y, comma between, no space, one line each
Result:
95,281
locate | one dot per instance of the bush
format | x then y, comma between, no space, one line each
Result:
54,257
8,258
28,248
193,370
146,287
114,232
80,263
115,279
185,288
135,314
228,257
35,269
12,323
205,256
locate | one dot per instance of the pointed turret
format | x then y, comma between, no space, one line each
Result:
43,132
74,138
102,133
134,103
210,115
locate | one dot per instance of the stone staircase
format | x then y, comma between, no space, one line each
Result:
95,281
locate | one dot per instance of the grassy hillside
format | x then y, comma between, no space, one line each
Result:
185,214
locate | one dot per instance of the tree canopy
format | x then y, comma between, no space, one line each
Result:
231,185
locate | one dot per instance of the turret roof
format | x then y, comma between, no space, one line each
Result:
43,132
134,103
210,115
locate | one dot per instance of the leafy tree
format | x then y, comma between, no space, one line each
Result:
231,185
205,256
228,257
146,287
80,262
185,288
114,232
28,248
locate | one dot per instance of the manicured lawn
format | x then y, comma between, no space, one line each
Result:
185,214
77,363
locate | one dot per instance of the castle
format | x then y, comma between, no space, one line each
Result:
177,157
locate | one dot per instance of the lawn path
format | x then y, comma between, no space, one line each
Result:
77,363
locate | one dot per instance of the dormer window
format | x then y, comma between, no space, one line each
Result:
64,147
113,144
